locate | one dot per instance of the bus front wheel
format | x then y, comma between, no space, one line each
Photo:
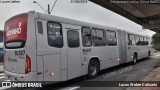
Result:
93,68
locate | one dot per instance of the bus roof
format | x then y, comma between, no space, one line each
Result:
82,23
73,22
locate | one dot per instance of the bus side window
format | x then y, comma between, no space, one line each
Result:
86,37
136,40
40,27
141,40
148,40
145,41
111,38
98,37
54,32
73,39
131,39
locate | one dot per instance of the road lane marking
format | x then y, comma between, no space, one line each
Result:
2,77
7,80
70,88
1,73
73,88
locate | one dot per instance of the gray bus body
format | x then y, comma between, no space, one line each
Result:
59,49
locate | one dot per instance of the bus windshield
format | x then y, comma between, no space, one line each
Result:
15,32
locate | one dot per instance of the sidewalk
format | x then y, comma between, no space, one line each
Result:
152,76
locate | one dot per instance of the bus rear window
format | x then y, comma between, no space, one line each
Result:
15,32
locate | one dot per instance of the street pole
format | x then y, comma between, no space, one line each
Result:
39,5
48,9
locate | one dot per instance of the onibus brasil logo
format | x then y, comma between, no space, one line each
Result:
20,84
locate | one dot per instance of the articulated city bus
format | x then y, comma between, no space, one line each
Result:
42,47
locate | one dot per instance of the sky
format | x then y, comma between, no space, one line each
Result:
88,12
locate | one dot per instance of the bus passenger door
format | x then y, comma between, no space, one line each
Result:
74,57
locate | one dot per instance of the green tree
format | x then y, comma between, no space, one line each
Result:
156,41
156,38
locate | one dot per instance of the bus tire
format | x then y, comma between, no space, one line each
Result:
93,68
134,59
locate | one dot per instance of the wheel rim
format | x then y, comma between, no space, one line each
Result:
93,69
135,60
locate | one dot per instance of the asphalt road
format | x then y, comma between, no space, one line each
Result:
126,72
